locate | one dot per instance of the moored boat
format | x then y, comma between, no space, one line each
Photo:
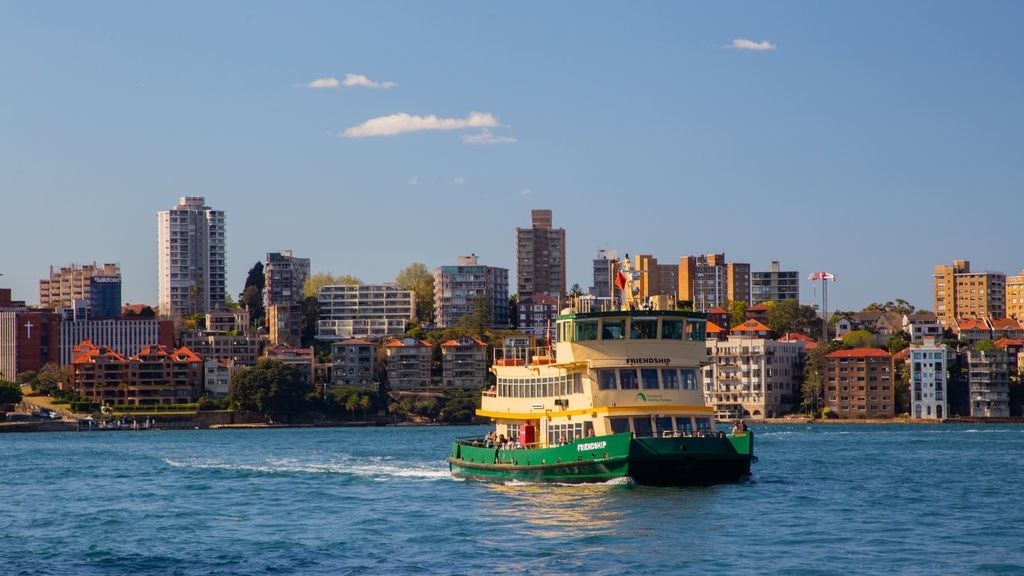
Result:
617,394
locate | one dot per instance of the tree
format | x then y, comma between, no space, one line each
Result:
271,388
310,317
417,278
900,306
479,318
256,277
787,316
314,282
985,346
10,392
860,339
51,376
737,311
252,300
513,310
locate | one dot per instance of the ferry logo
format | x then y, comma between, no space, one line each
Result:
641,396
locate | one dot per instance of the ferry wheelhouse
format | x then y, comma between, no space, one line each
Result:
616,394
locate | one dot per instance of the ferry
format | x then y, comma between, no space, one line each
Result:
616,395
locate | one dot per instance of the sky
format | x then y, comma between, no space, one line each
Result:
872,140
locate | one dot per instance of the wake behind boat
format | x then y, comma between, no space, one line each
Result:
618,395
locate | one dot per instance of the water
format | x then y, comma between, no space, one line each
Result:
824,499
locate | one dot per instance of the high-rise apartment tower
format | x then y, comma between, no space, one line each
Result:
540,258
192,251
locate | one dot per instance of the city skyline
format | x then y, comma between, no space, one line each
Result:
869,140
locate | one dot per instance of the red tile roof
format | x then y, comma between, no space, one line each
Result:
858,353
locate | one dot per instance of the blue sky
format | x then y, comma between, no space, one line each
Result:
859,138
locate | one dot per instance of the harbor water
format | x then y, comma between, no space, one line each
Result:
823,499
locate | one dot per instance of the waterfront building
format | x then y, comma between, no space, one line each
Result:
217,377
29,339
540,258
241,347
284,276
464,363
537,315
775,285
1006,328
227,320
125,336
988,376
753,377
927,363
408,363
960,293
301,358
1015,296
708,281
971,330
285,324
74,282
352,363
192,252
456,288
156,375
859,383
367,311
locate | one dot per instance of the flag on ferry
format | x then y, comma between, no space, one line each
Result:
620,280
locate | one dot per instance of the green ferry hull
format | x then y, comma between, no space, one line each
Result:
669,461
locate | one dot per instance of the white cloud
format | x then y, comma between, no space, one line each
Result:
485,137
744,44
458,180
360,80
400,123
525,192
414,181
323,83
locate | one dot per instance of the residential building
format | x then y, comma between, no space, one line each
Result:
750,329
927,365
540,258
74,282
988,375
537,315
774,285
105,296
859,383
352,363
217,377
243,348
408,363
192,252
464,362
285,323
301,358
1015,296
125,336
753,377
228,320
971,330
656,279
284,276
156,375
1006,328
922,325
456,287
604,275
367,311
708,281
960,293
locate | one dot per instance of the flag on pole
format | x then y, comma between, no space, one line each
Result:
620,280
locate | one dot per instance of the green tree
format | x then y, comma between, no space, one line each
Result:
310,317
479,318
417,278
985,346
513,310
314,282
252,300
860,339
787,316
256,277
51,376
271,388
10,392
737,311
897,341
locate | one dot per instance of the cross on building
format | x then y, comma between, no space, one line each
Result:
28,326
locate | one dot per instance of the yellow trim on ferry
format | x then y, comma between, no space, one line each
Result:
666,409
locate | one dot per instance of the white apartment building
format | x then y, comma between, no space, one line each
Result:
191,258
367,311
753,377
927,363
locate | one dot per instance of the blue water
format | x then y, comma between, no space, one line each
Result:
824,499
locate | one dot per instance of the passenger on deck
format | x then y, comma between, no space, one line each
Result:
489,439
562,441
737,428
502,442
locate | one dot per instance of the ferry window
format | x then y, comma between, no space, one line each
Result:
643,328
627,379
689,377
618,425
683,425
672,329
642,427
586,330
649,378
606,380
703,423
669,379
695,330
613,330
663,424
577,383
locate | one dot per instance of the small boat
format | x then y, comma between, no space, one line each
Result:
616,395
